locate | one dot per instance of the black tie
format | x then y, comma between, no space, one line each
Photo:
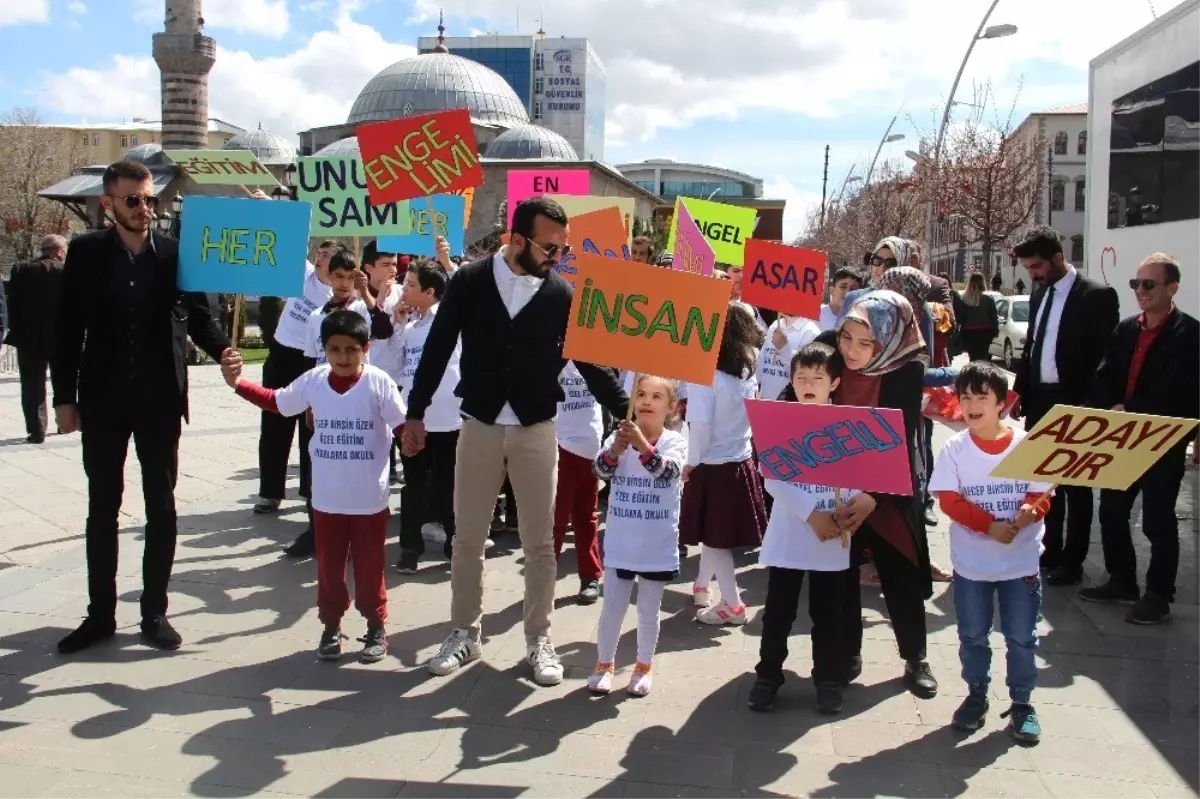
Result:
1039,339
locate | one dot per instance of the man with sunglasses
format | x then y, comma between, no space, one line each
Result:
1071,319
511,312
119,292
1152,365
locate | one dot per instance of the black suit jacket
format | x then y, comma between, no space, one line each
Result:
33,294
514,360
1088,318
87,326
1169,381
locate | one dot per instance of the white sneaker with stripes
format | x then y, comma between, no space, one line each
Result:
457,650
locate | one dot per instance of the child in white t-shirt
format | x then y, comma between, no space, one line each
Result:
803,536
996,534
785,336
351,291
580,429
644,462
356,411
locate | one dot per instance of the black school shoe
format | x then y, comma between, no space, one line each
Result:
918,679
854,672
829,697
91,631
1150,609
330,647
158,633
408,562
589,592
305,545
375,644
762,695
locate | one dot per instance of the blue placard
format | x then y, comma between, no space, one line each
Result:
230,245
446,221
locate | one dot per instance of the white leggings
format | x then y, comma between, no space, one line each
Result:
617,593
719,562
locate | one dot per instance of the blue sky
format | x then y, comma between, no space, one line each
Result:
760,86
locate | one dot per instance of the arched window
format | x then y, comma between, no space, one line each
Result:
1060,143
1077,248
1082,143
1058,193
1080,194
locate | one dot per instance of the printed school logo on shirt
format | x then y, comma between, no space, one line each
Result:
964,468
790,542
578,425
292,330
642,529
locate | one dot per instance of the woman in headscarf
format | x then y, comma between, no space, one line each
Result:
890,252
885,360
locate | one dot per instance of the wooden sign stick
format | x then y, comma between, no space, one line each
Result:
629,411
837,502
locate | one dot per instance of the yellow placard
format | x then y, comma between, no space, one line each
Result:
1089,447
577,205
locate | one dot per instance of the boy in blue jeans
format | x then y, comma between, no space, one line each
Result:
996,534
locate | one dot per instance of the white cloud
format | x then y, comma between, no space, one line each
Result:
800,203
19,12
265,17
77,7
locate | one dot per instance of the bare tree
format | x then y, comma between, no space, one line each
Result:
988,177
32,157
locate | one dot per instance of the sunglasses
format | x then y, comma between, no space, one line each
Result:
888,262
1146,285
552,250
133,201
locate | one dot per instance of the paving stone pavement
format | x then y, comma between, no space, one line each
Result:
245,708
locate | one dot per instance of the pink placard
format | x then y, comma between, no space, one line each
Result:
526,183
832,445
692,253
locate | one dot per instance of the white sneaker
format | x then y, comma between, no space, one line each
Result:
701,597
721,614
457,650
547,668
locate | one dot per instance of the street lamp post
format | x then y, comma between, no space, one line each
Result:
849,179
982,32
888,138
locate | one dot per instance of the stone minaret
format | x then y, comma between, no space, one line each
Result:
184,56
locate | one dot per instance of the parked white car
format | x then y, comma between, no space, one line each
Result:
1009,344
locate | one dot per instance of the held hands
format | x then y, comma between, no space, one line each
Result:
1025,517
67,418
1002,532
851,515
231,366
412,440
620,443
634,436
824,526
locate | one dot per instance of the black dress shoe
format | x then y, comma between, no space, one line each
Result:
33,439
305,546
918,679
92,631
762,694
1065,575
158,633
855,670
829,698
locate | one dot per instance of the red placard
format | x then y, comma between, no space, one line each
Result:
790,280
419,156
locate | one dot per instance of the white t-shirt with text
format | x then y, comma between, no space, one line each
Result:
722,406
579,424
444,412
642,528
790,542
292,330
313,347
774,365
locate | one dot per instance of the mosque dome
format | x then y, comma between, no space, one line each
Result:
346,146
438,81
146,155
268,147
531,142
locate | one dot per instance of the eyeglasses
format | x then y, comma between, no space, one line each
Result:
552,251
1146,285
133,201
888,262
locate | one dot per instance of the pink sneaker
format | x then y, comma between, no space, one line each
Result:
701,597
601,680
639,681
722,614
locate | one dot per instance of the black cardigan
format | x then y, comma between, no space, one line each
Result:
1169,382
505,360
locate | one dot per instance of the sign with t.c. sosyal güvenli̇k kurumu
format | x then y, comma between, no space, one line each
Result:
727,228
419,156
230,245
633,316
790,280
336,186
222,167
445,220
1089,447
840,446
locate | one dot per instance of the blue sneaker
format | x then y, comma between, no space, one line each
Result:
1024,725
971,713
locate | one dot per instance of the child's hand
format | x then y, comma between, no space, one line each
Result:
855,512
620,443
779,339
231,367
399,314
1002,532
310,420
363,287
443,254
824,526
637,439
1025,517
687,472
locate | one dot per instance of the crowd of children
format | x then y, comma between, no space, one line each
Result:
673,483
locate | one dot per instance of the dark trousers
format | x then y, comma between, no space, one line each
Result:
1159,488
575,501
928,445
283,365
977,343
901,582
32,368
508,519
835,608
106,433
1071,507
428,491
362,540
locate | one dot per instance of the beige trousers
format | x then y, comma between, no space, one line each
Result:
530,457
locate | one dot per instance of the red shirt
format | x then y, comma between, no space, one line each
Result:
1146,337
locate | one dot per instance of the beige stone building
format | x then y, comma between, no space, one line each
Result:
107,142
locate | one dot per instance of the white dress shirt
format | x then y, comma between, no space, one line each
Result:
515,292
1049,364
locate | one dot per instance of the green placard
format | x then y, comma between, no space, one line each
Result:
726,227
337,188
222,167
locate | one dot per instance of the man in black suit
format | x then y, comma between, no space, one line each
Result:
119,292
511,312
33,292
1152,366
1071,318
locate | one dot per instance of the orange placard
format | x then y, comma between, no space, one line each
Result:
655,321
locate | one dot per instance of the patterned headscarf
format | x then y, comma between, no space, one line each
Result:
907,281
897,245
890,319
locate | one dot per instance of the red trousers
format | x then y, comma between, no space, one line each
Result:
361,539
575,501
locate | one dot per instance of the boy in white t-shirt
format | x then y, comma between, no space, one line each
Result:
356,410
785,336
845,280
579,427
996,534
428,492
803,537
